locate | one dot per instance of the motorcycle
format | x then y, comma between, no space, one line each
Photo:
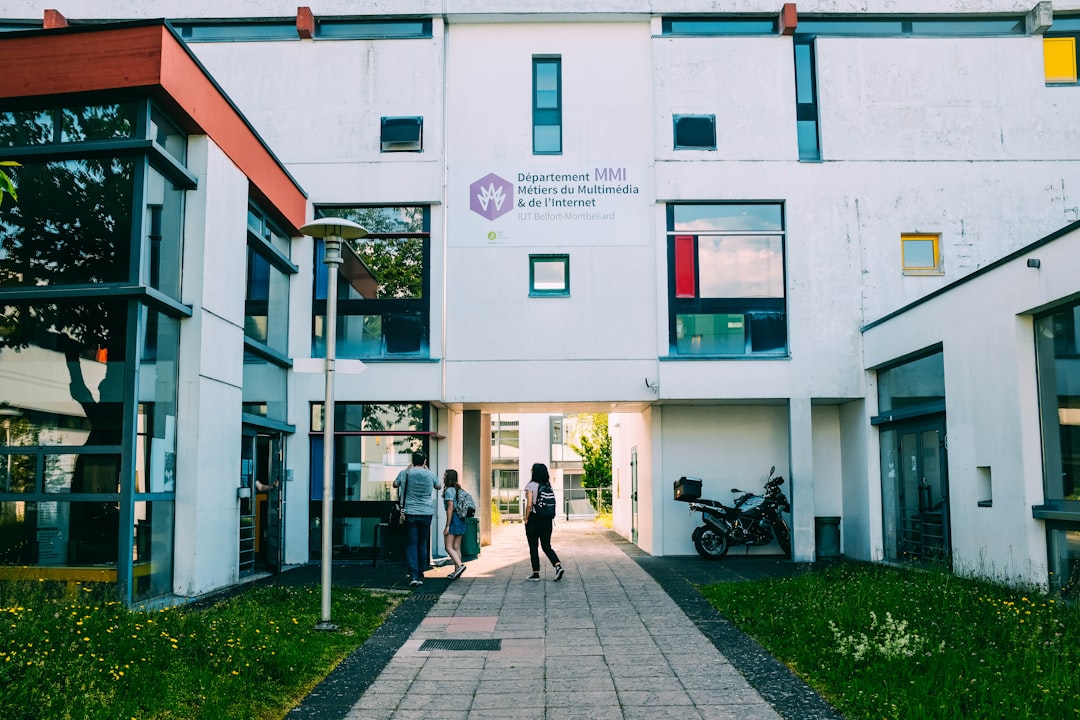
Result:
751,520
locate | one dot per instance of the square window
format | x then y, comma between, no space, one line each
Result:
402,134
726,280
1059,60
695,132
549,275
921,254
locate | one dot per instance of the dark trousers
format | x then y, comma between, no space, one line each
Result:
538,532
418,544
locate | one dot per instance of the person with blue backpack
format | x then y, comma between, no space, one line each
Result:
539,518
453,497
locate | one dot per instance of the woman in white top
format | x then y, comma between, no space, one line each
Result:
537,528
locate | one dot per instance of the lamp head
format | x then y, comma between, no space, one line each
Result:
334,227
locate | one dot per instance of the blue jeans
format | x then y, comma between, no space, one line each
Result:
418,544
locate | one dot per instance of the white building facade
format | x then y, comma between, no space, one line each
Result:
730,227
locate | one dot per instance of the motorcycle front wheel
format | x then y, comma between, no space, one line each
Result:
710,544
783,536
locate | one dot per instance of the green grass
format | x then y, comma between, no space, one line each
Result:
253,656
883,643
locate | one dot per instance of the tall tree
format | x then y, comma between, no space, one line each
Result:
594,446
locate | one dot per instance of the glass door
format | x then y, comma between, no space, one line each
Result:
920,491
261,475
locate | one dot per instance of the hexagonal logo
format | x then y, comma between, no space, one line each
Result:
491,196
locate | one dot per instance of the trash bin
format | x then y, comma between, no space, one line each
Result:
470,543
827,534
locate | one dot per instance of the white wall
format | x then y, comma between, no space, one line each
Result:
991,402
727,447
598,343
210,375
630,430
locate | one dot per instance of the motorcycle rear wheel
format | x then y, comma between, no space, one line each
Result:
710,544
783,536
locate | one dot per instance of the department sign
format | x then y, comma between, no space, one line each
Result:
521,206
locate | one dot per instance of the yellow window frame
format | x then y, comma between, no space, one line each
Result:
1059,60
909,242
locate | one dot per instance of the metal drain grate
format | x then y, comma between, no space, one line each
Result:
462,645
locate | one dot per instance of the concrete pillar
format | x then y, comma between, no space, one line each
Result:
801,478
476,465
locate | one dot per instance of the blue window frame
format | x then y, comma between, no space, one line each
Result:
547,105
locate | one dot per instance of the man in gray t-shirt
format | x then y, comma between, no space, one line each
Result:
417,483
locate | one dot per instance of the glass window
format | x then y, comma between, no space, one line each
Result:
726,279
166,134
1059,389
383,306
915,384
22,128
373,442
1064,560
76,371
327,29
232,30
921,254
163,226
152,549
72,224
266,305
718,26
695,132
402,134
549,275
806,110
547,105
265,388
1059,60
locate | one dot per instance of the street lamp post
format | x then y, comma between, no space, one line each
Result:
332,231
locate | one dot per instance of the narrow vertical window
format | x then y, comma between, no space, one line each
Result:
806,110
547,106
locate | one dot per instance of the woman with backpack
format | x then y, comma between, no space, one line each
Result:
539,517
455,524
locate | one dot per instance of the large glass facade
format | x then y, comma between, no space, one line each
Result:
1057,337
383,287
88,366
373,442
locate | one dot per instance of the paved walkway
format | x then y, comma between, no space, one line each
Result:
607,642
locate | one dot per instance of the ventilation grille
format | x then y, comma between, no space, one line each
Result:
462,645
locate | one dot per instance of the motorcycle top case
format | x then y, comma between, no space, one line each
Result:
688,489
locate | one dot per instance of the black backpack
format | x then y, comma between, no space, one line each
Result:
544,506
